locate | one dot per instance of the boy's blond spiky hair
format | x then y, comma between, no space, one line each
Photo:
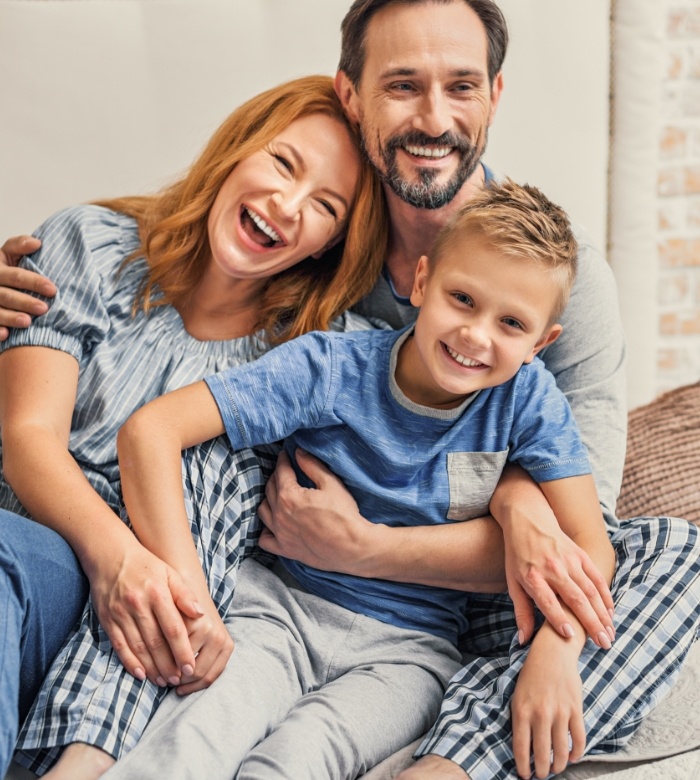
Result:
521,222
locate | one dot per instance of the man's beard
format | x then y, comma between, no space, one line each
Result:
427,193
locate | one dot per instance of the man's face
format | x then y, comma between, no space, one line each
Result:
424,102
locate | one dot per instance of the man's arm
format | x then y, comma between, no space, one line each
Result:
323,528
17,307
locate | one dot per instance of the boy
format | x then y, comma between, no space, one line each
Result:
332,672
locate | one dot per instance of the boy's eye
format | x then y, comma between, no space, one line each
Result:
511,322
463,298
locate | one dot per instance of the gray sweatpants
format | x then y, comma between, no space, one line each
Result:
312,690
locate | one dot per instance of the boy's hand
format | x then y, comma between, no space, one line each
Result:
17,308
547,708
213,646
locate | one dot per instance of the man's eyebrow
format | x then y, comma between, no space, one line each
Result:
455,73
299,160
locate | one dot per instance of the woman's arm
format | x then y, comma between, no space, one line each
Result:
17,307
149,445
132,590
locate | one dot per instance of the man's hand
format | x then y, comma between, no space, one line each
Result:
141,604
18,308
544,565
547,708
321,528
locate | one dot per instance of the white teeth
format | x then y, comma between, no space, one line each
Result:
429,151
260,222
463,361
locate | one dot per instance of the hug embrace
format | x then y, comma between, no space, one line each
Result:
466,434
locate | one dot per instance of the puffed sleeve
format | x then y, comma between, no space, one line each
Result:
81,246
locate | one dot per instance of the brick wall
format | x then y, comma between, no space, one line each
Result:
678,199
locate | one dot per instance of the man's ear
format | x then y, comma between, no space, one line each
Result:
329,245
347,94
548,338
496,90
419,282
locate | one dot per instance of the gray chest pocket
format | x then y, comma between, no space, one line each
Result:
473,477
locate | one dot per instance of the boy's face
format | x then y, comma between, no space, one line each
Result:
482,315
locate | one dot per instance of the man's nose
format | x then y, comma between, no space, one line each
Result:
434,117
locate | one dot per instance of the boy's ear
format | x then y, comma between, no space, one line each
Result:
548,338
419,281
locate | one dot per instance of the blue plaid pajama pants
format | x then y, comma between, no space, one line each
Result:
87,695
657,617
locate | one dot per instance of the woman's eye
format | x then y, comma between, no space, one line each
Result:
284,162
329,208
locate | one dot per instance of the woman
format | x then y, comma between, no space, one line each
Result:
156,292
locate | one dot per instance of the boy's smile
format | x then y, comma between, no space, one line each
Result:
483,313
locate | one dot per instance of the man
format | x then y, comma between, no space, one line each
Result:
423,80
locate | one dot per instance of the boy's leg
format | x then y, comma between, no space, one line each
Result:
657,616
383,690
207,734
42,593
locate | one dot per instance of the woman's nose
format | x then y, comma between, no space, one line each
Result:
288,203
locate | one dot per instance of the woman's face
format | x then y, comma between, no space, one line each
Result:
284,202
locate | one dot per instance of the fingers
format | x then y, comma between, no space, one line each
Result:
29,281
212,658
522,740
524,612
17,307
268,542
315,470
129,661
169,642
12,251
129,645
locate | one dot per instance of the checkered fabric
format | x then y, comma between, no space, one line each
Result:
88,696
657,617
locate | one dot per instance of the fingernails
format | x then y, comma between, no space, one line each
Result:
604,640
161,682
611,612
568,630
521,637
611,632
139,673
197,608
174,680
187,670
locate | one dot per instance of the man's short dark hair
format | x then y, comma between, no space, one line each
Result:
354,33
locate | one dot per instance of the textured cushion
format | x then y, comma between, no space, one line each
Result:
662,467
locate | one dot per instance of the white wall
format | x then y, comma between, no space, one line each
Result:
107,97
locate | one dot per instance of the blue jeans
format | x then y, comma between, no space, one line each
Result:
42,594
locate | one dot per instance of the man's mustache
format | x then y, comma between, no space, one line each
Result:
417,138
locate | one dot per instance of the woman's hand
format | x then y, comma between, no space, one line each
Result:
547,708
143,605
17,308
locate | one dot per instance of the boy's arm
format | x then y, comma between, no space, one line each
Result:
547,703
149,446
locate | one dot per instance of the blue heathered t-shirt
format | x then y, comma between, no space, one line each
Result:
334,395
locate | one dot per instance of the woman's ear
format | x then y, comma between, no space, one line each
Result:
329,245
